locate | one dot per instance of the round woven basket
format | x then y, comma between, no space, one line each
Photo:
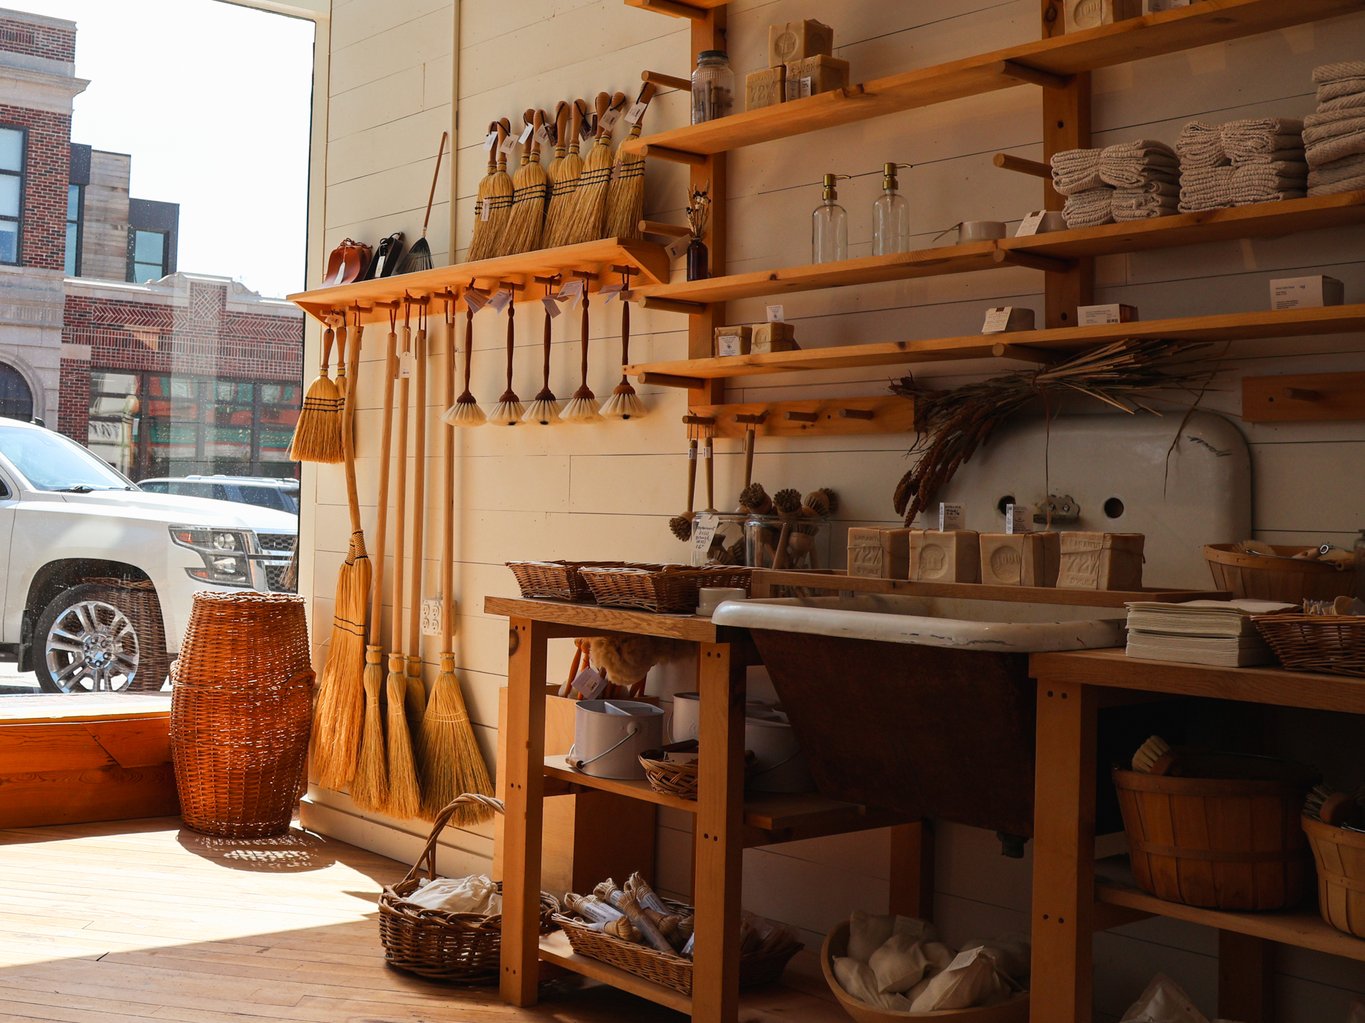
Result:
241,712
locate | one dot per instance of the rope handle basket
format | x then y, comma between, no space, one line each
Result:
460,948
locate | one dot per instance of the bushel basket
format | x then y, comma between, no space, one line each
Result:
1340,856
460,948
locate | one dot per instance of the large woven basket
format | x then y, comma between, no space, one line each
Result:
671,971
558,580
241,711
1330,643
670,589
1340,856
1284,578
461,948
1220,843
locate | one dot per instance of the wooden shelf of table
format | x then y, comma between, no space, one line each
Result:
372,299
1047,62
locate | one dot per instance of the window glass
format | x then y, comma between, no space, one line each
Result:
9,245
9,195
50,461
73,203
74,197
11,150
150,247
71,239
16,398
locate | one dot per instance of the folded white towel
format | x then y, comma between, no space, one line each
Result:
1200,146
1145,151
1349,184
1338,147
1258,145
1329,124
1268,182
1090,208
1076,170
1205,188
1352,100
1339,71
1333,173
1130,204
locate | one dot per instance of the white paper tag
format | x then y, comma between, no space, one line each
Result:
525,134
636,112
609,292
729,344
1030,224
609,119
951,516
703,532
1018,518
407,365
500,301
490,140
551,305
777,314
508,144
475,299
543,138
798,88
589,683
997,320
678,246
486,208
572,292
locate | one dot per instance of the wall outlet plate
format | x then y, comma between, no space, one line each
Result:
431,616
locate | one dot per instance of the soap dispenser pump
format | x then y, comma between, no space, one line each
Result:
890,216
829,226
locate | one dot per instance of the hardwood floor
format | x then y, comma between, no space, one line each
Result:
140,920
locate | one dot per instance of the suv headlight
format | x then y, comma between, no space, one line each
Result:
224,552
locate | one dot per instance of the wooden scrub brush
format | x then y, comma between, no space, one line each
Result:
787,504
755,500
1154,756
681,525
1334,808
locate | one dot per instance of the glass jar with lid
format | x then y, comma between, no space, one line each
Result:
713,86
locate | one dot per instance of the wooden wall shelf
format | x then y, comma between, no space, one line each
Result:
1049,62
826,417
372,298
1306,397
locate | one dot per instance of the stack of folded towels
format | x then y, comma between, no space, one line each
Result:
1241,162
1334,136
1127,181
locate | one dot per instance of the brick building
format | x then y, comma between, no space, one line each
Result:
160,372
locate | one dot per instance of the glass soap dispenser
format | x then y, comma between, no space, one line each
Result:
890,216
829,226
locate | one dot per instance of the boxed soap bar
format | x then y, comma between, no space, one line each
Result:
1305,292
1020,559
879,553
1100,561
815,75
951,556
733,340
773,337
765,87
1005,318
1099,315
796,40
1083,14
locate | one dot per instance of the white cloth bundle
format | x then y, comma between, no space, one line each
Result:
1200,146
904,961
1090,208
1259,138
1163,1002
969,980
1340,71
1268,182
475,894
1076,170
858,980
1207,188
1357,1013
868,932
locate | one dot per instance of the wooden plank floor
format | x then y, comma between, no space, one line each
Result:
141,920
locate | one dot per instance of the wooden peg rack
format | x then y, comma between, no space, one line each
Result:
812,416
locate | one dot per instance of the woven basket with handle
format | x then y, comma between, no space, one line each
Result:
460,948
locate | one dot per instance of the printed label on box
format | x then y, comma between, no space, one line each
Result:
951,516
997,320
777,314
1030,224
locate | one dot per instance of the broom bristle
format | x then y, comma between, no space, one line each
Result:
405,797
341,695
544,411
507,413
496,190
586,218
624,403
452,763
562,188
523,228
370,787
465,412
317,434
415,696
581,409
626,197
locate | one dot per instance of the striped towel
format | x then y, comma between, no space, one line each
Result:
1355,183
1352,100
1334,173
1134,204
1339,71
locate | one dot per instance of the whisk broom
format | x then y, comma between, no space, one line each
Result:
569,123
495,197
530,190
452,763
546,407
465,411
590,197
317,434
624,403
509,409
626,196
582,407
419,256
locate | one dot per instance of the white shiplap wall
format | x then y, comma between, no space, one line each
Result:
607,491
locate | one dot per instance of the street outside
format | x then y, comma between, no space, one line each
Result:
14,682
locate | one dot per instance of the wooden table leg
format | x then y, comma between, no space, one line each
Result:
1064,855
525,744
1246,978
912,870
718,878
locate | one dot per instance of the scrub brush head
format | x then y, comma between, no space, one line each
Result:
544,411
755,499
681,526
787,501
624,403
465,412
1153,756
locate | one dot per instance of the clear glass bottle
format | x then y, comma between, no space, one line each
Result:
890,217
829,227
713,86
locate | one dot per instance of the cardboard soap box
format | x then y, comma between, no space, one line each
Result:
1100,561
765,87
878,553
1305,292
1020,559
814,75
945,557
797,40
734,340
773,337
1099,315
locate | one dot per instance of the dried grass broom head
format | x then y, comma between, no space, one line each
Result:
405,796
626,196
415,694
370,786
588,217
317,434
530,189
452,763
340,706
495,197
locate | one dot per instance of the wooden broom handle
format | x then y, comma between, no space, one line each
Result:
625,337
583,348
601,105
547,339
562,113
401,511
493,128
328,337
448,503
348,426
468,342
749,435
431,197
504,129
419,490
691,475
511,344
382,511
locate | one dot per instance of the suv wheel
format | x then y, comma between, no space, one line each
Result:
87,642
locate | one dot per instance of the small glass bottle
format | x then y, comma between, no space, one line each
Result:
829,227
713,86
698,260
890,217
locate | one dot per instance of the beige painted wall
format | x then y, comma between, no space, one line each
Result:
607,491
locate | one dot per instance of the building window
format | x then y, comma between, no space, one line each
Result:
75,198
16,399
11,191
148,257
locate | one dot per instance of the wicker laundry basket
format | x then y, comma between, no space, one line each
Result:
241,711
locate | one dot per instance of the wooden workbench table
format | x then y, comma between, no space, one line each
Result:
1070,904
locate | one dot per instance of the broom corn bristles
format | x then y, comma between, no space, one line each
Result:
370,787
405,799
495,199
530,190
626,197
586,219
564,179
340,705
452,763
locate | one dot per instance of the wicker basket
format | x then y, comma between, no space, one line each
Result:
241,712
139,602
671,589
669,777
1340,856
1330,643
558,580
1218,843
461,948
1287,579
671,971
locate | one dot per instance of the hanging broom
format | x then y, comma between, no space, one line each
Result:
530,188
582,407
416,694
317,434
419,256
465,411
370,787
452,763
546,407
559,131
564,183
495,197
589,212
340,705
626,197
624,403
509,409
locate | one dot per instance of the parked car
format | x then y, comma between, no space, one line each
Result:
75,535
262,491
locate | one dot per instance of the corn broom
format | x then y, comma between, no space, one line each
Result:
530,189
590,197
317,434
626,196
415,696
563,184
495,197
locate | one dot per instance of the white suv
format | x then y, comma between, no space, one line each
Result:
81,548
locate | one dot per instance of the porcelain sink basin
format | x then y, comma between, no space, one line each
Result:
994,625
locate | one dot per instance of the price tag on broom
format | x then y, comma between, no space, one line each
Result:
475,299
407,365
636,112
678,246
551,306
543,138
525,134
703,532
608,293
609,119
500,301
508,144
490,140
572,292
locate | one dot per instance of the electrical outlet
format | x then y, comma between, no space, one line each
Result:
431,616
